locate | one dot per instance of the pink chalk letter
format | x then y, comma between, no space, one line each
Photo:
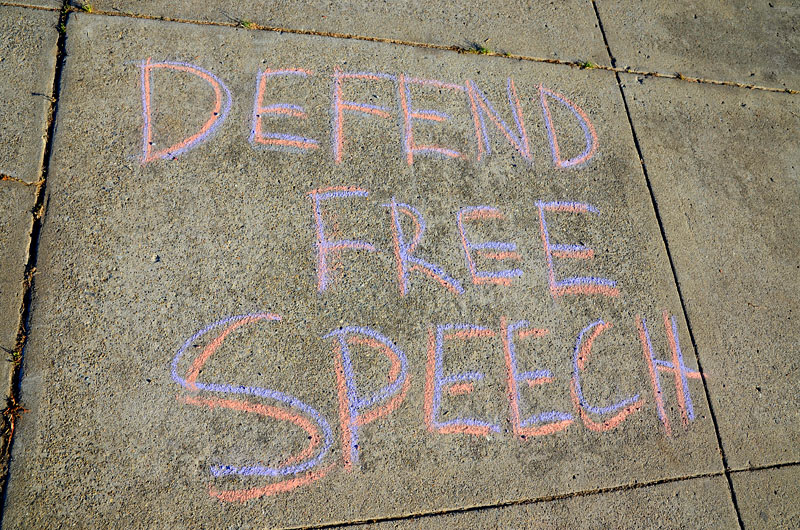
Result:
575,284
215,120
404,251
496,250
340,105
286,110
324,245
482,108
588,129
410,114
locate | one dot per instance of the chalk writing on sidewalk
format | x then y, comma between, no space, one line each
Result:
487,264
358,409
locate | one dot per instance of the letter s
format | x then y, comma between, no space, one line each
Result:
295,471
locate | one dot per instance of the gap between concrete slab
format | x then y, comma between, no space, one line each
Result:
523,502
29,6
584,493
458,49
14,408
766,467
9,178
725,466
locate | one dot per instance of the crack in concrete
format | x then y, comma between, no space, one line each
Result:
14,408
457,49
546,498
9,178
507,504
689,327
543,499
764,467
29,6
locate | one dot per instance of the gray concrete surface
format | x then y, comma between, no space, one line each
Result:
725,168
702,502
27,62
566,30
135,258
755,43
768,498
170,212
16,201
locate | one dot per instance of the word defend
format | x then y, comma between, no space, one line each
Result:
484,116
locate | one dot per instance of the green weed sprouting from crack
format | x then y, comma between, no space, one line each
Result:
477,48
246,24
586,64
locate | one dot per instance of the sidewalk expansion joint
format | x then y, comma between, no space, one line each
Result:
765,467
9,178
29,6
512,503
14,408
583,65
681,297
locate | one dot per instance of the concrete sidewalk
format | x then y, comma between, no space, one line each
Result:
400,264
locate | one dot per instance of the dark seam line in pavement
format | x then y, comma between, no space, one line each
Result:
9,178
675,277
14,407
28,6
765,467
508,504
603,33
683,304
458,49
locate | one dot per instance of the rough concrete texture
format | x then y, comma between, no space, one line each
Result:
747,42
697,503
27,63
768,498
724,165
16,201
138,260
566,29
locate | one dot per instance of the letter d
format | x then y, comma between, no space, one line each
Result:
218,114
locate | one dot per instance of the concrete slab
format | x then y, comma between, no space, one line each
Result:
725,168
702,502
27,66
16,201
559,30
747,42
768,498
151,400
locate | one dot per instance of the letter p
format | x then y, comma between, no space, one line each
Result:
356,408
